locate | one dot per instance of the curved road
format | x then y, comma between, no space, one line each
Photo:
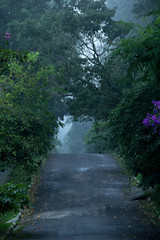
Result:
85,197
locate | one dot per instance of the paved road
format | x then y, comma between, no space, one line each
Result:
84,197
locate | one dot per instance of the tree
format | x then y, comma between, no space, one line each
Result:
15,15
27,124
89,80
34,26
141,53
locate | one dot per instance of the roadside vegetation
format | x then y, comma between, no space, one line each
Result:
28,125
90,60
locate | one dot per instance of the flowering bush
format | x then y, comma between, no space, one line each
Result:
153,120
140,153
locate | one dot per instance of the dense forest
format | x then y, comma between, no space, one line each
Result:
95,60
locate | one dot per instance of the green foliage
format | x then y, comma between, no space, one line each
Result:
19,173
13,197
4,226
140,86
27,123
25,85
24,137
141,155
16,15
142,53
6,56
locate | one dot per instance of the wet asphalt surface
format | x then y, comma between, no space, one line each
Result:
85,197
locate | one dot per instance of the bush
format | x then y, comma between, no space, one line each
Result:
13,197
140,154
24,138
27,123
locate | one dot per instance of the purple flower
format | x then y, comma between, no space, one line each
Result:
155,103
7,36
153,117
157,121
146,122
153,120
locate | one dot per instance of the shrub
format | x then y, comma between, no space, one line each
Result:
24,138
13,197
27,123
140,154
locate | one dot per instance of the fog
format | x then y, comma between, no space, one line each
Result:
124,11
62,132
71,136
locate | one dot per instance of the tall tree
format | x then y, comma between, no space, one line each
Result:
95,33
